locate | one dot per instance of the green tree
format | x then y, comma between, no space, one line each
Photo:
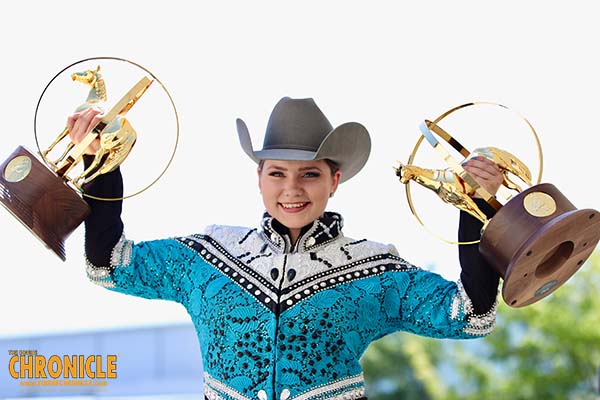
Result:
548,350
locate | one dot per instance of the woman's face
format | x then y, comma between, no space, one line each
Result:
296,192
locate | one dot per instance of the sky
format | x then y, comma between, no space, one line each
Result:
387,65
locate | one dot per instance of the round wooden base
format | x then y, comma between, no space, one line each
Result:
537,241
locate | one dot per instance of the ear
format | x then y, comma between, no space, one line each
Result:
336,181
258,171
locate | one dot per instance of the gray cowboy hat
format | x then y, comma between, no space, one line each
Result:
298,130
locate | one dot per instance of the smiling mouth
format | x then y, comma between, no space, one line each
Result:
294,207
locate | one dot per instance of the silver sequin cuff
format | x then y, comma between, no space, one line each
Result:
121,253
478,325
120,257
99,275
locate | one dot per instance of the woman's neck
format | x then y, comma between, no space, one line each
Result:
294,235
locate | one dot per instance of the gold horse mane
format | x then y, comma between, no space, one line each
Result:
100,87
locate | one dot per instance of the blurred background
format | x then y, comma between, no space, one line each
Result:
387,65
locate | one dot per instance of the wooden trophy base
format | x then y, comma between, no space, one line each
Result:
537,241
40,200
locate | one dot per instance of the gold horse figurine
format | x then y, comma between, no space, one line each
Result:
117,138
96,96
452,189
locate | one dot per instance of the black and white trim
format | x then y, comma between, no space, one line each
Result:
237,270
329,278
323,231
251,270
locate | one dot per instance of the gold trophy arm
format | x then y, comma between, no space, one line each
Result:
449,139
456,167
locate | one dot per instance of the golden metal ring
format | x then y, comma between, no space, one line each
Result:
464,152
157,80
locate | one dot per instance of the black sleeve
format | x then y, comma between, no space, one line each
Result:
479,279
103,227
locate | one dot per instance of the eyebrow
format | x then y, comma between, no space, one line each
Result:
279,168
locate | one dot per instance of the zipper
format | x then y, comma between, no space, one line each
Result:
277,315
294,248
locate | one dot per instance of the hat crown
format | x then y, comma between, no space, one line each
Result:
296,124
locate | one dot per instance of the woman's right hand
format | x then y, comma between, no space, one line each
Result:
81,123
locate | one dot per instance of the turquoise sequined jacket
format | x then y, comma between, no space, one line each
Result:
277,322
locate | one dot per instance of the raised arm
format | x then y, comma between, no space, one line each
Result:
103,227
478,278
480,281
153,269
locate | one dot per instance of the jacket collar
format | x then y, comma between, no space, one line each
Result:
321,231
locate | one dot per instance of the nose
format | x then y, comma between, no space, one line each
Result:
292,187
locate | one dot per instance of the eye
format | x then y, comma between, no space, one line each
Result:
312,174
277,174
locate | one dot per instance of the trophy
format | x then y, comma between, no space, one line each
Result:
41,191
536,241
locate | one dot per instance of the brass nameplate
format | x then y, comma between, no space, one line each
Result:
539,204
17,169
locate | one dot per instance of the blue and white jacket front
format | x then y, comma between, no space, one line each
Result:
277,322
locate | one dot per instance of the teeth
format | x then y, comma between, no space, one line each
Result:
292,205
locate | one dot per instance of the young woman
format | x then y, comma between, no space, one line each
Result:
284,311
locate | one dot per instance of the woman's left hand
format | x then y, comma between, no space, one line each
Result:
485,172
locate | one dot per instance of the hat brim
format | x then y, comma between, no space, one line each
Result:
348,145
285,154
